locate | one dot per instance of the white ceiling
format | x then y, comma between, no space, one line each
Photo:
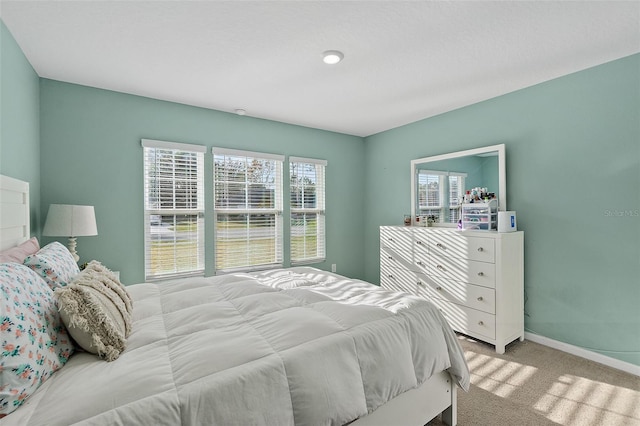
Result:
404,61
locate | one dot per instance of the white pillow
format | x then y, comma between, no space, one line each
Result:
96,309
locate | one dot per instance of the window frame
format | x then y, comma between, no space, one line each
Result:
454,208
320,211
444,193
276,211
150,211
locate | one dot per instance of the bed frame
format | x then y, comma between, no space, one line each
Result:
418,406
14,212
415,407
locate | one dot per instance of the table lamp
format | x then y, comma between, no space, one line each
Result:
65,220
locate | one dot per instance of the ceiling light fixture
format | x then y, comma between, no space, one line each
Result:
240,111
332,57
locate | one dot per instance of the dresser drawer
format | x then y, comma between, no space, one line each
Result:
467,320
473,296
458,245
396,279
397,238
421,237
396,259
463,270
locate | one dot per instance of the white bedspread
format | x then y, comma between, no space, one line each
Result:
297,346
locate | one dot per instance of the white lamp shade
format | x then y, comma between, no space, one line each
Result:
65,220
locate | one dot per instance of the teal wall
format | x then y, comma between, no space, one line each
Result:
573,176
490,177
91,154
20,120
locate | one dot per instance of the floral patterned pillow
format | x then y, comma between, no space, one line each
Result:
33,340
54,263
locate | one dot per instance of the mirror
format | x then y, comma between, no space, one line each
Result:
439,183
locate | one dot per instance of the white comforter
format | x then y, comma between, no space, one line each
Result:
297,346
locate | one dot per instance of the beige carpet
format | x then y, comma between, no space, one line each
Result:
532,384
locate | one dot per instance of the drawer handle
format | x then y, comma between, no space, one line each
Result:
439,288
480,322
421,263
389,239
390,276
440,245
480,249
420,283
480,299
481,274
419,242
440,267
390,257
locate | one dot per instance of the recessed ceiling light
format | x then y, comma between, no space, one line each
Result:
332,57
241,111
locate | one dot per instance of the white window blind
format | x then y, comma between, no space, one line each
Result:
173,209
430,192
440,194
247,209
456,192
307,192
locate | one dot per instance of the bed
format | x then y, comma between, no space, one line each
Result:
289,346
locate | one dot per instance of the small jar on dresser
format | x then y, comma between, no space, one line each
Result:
476,278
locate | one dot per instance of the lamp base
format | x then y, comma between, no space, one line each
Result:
72,248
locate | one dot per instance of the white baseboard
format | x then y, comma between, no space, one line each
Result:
584,353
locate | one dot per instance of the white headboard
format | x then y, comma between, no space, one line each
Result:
14,212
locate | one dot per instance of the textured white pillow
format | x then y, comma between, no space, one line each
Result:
96,309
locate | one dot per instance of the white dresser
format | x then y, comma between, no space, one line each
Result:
476,278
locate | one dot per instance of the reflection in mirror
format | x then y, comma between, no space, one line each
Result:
439,183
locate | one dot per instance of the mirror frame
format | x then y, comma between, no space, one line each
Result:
502,175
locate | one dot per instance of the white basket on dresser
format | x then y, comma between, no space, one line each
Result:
476,278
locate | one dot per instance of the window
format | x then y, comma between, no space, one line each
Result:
430,195
307,210
173,209
247,209
456,193
440,194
